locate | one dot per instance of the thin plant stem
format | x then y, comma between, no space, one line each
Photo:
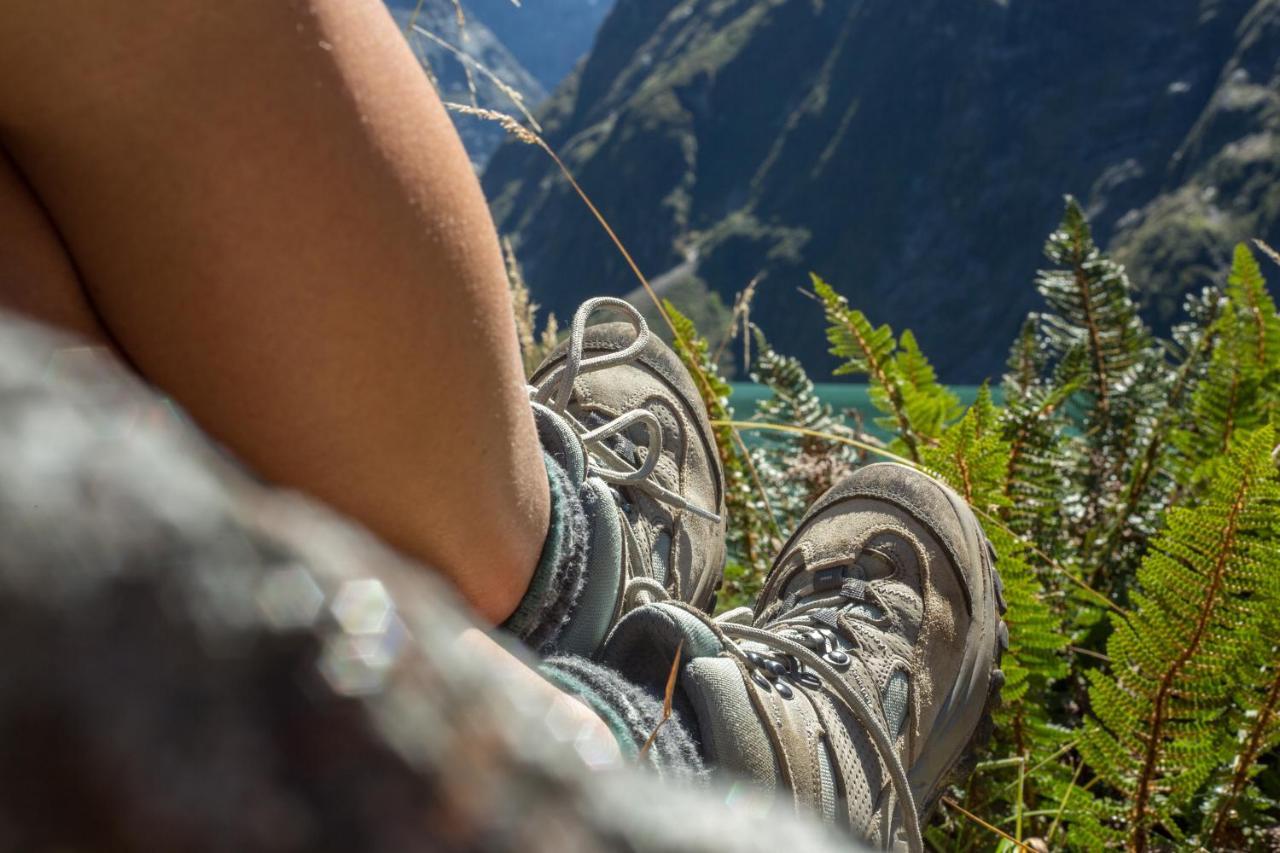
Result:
950,803
852,442
1020,803
1062,804
414,15
468,62
1054,757
755,479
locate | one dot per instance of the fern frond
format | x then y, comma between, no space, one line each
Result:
1247,291
1028,361
1202,599
903,385
1093,331
1035,429
797,469
1091,308
972,454
1241,386
929,405
1259,736
1153,476
751,539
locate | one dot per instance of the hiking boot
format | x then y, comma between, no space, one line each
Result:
868,669
619,411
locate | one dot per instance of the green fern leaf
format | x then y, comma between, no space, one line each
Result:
903,385
797,469
1154,737
752,537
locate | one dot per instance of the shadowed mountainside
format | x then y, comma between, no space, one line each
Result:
914,155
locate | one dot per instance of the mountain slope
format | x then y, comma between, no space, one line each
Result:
477,41
1223,182
913,154
548,37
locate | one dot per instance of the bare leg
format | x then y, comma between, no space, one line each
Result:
36,275
272,216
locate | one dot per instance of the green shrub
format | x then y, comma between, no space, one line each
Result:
1129,484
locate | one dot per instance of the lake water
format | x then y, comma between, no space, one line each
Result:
841,395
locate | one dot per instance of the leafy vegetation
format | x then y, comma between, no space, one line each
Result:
534,345
754,533
1129,485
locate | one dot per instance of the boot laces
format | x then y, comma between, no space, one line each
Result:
828,674
603,461
803,641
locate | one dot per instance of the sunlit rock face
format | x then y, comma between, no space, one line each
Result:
191,661
915,154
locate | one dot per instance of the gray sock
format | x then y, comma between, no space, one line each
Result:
631,713
558,579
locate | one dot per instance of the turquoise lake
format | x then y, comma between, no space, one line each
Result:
841,395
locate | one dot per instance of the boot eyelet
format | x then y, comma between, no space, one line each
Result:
774,668
763,682
755,659
808,679
837,657
784,690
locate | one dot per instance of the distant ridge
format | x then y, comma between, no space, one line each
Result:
548,37
915,154
531,48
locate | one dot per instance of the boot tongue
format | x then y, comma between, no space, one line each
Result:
710,691
559,440
733,738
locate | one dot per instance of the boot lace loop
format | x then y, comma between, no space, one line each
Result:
603,461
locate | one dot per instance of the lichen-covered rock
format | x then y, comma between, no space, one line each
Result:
190,661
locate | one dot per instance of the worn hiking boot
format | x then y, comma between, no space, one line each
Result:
868,669
619,411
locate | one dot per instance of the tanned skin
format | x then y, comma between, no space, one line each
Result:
262,206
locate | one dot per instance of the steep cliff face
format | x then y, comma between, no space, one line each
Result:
1222,184
548,37
914,154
